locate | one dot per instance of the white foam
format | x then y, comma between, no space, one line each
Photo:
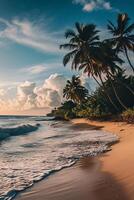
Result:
29,158
6,132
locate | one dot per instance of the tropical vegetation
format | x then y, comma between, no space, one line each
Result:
75,91
102,60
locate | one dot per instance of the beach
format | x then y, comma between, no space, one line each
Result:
67,100
105,177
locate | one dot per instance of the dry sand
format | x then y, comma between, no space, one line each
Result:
107,177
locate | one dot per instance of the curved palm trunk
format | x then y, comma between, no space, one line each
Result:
105,91
128,59
118,98
110,99
125,85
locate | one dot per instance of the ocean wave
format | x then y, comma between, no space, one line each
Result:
14,192
52,149
6,132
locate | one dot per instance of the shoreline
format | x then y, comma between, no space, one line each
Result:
107,168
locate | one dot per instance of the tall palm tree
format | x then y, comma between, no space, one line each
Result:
123,36
123,79
106,64
75,91
83,46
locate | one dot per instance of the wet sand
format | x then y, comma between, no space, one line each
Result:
107,177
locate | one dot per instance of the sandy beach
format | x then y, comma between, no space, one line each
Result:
106,177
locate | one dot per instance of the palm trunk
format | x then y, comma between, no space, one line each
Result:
105,91
110,99
118,98
128,59
125,85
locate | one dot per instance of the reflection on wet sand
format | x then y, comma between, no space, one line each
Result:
83,181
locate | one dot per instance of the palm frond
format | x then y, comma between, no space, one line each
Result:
129,29
78,27
111,27
70,33
68,46
68,57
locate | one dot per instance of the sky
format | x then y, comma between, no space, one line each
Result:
32,75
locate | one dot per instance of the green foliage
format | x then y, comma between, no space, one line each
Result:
128,115
94,108
123,38
97,105
74,90
100,60
65,111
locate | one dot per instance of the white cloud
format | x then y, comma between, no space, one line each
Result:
90,5
50,94
36,69
31,34
30,98
26,96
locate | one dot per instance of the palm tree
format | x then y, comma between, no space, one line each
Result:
106,64
75,91
123,37
83,45
121,78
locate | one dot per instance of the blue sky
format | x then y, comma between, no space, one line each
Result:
31,31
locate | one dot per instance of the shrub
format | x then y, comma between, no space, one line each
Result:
128,115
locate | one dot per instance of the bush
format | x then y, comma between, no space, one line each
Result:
65,111
91,111
128,115
100,104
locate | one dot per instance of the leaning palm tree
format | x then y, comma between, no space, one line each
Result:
121,78
83,46
75,91
107,65
123,35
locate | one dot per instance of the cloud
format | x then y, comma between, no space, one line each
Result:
30,97
2,92
26,96
88,83
91,5
50,94
31,34
40,68
36,69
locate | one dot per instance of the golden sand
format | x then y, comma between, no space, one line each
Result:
107,177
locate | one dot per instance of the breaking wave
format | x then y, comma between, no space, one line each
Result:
29,158
6,132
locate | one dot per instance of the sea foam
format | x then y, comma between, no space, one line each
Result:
6,132
29,158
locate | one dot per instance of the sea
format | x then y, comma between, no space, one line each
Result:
34,147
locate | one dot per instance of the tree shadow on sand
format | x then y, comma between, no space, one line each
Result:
84,126
105,185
